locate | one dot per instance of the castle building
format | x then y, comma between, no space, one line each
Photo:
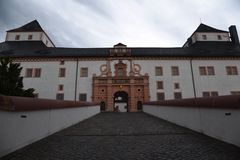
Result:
125,77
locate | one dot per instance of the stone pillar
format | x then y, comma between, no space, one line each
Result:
132,101
146,89
131,73
109,71
109,95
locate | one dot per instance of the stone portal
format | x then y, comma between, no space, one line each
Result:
125,86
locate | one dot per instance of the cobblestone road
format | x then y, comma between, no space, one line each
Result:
126,136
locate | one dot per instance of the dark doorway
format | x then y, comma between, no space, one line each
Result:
139,106
102,106
120,101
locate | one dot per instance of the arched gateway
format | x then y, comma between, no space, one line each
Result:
125,87
120,101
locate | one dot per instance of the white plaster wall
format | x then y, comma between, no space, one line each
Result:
184,78
17,132
36,36
220,82
44,39
23,36
212,122
47,84
211,36
84,84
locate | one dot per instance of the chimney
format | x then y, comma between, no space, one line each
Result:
234,35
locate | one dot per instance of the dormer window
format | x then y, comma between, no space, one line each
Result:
17,37
204,37
219,37
30,37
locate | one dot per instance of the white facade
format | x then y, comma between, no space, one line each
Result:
222,37
73,84
24,36
190,83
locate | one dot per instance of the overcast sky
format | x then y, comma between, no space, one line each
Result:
103,23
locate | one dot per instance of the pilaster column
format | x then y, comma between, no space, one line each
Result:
131,73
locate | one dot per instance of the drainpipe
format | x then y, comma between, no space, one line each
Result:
75,94
193,81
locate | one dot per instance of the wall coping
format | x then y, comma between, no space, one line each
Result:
222,102
12,103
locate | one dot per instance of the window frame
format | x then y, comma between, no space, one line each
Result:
84,72
17,37
158,71
60,87
62,72
231,70
206,70
60,96
175,70
30,37
83,99
177,95
37,72
204,37
176,85
160,85
160,94
29,72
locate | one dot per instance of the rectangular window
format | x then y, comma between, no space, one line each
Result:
175,71
158,71
176,86
231,70
177,95
204,37
159,84
160,96
60,87
37,72
235,92
82,97
206,94
60,96
214,93
219,37
30,37
209,93
202,71
62,72
84,72
208,70
29,72
17,37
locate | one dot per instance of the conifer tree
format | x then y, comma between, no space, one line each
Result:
11,82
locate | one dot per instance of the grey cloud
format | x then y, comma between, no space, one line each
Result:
96,6
94,23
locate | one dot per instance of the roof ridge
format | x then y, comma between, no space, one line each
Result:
31,26
205,28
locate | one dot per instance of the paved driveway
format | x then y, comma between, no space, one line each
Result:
126,136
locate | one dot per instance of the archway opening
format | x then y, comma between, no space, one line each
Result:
120,101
